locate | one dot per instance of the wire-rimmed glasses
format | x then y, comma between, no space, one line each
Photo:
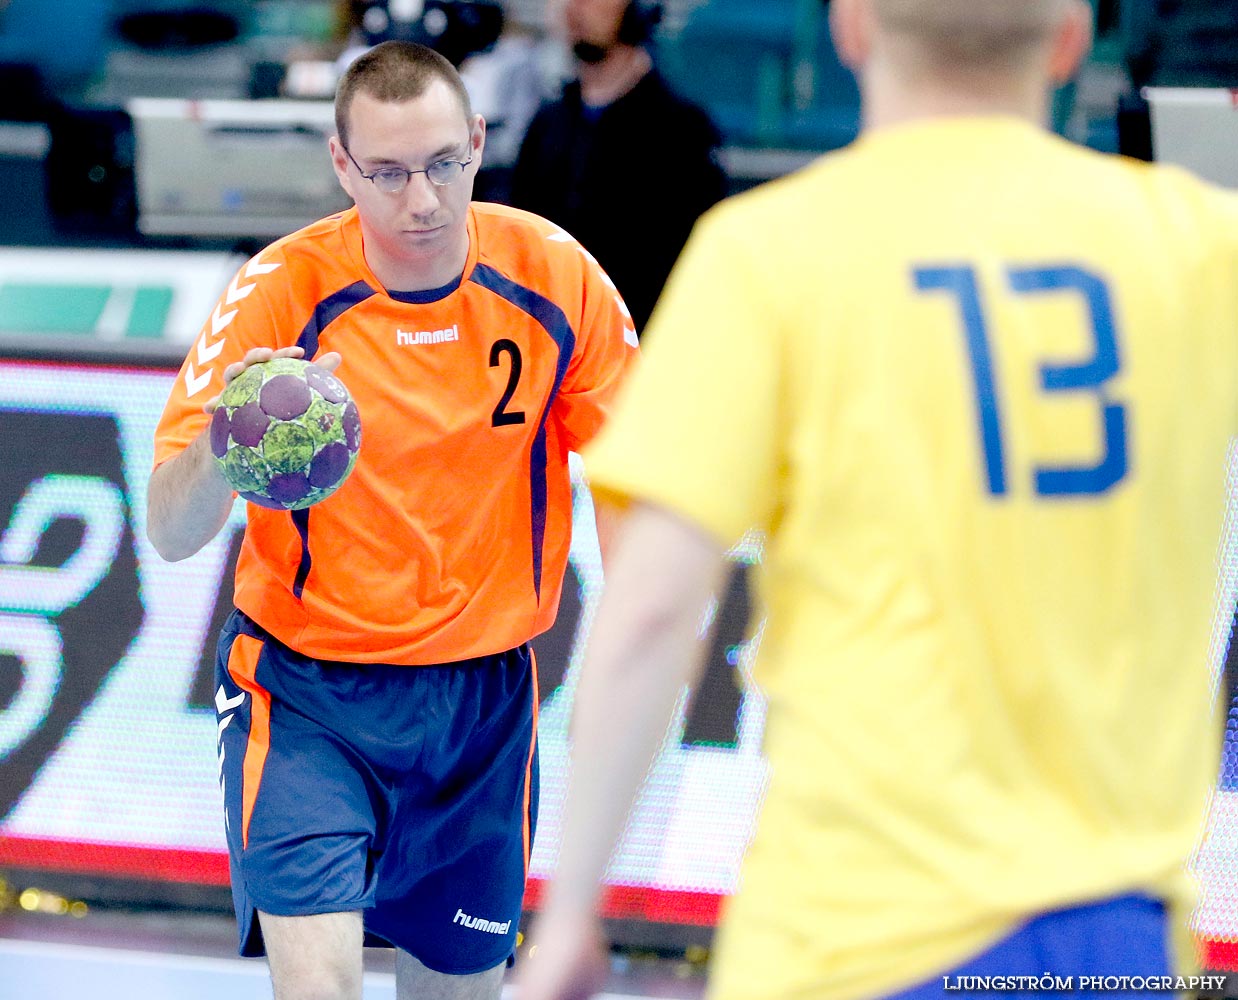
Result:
393,180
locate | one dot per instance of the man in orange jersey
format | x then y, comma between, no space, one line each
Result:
377,693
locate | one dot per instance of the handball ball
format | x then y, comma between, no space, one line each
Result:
286,433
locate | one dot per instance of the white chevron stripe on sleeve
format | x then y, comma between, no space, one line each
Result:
235,293
194,382
208,354
256,268
218,322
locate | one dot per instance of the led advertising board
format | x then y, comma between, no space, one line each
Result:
107,722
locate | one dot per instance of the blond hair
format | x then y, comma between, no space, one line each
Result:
972,33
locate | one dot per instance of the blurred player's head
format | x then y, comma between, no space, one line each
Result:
403,107
962,40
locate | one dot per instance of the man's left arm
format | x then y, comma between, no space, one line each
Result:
604,352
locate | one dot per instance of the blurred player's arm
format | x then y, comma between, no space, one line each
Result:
642,650
608,514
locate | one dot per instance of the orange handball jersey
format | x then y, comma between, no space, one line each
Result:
450,538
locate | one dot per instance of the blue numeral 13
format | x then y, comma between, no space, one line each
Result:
1091,375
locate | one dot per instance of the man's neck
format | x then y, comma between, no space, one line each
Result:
892,98
409,274
604,82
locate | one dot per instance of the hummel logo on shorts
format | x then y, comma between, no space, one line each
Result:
477,924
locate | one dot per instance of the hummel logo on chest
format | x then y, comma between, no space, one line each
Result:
427,336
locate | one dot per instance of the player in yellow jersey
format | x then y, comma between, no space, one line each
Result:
976,384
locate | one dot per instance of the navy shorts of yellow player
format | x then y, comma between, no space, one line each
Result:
1118,946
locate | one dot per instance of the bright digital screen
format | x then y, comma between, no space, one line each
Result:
107,727
1216,863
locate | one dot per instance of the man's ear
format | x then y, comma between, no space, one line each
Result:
851,27
340,163
1072,41
477,136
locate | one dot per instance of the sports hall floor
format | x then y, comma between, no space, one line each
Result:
115,953
119,954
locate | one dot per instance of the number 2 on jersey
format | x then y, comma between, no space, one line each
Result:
1091,375
502,416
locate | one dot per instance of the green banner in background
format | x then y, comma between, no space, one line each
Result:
110,294
100,310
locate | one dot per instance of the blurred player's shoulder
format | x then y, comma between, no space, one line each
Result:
1186,199
872,188
804,203
776,219
1163,202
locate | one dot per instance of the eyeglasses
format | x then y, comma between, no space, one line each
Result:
393,180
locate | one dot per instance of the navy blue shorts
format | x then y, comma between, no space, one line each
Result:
1122,936
409,793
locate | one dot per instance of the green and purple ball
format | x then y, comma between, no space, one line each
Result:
286,433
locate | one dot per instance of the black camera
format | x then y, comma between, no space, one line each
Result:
456,29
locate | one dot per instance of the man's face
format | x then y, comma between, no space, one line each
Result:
418,226
595,22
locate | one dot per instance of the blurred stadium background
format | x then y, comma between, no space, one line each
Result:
147,148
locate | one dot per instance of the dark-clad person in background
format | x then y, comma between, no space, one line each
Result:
620,160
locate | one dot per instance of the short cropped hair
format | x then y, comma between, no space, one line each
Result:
395,71
963,33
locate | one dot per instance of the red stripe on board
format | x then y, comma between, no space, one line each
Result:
153,863
662,906
1220,956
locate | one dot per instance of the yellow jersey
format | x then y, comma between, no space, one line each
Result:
977,386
